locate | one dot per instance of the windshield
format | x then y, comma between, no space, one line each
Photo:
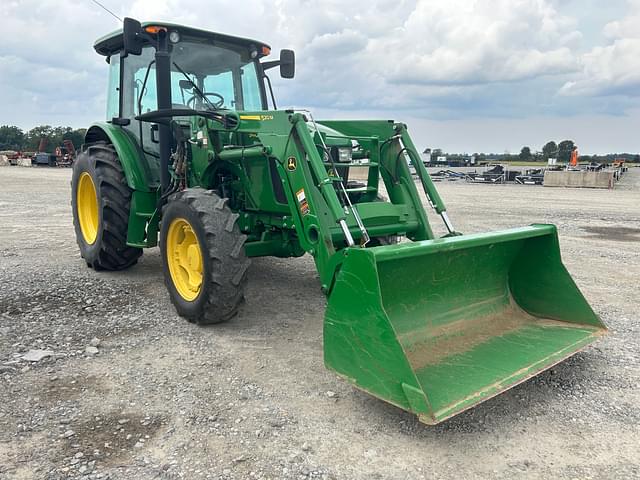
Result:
226,76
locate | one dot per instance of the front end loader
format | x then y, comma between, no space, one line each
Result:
194,159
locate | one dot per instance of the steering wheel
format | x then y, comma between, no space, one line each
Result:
219,103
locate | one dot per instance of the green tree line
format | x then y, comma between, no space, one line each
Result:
14,138
561,151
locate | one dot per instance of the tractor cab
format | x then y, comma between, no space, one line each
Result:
208,71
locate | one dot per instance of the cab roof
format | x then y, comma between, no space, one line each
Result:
113,42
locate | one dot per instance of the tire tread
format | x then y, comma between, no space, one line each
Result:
224,252
114,253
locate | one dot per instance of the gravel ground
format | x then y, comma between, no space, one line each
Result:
128,390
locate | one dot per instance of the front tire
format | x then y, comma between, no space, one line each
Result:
101,200
205,266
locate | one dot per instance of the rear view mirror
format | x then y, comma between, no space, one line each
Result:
287,63
185,84
131,32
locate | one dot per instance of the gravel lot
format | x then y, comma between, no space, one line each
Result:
131,391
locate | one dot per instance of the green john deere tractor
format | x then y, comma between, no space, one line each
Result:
193,159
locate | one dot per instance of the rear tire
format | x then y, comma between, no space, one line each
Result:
200,239
101,227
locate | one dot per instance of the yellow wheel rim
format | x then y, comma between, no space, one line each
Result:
184,257
87,208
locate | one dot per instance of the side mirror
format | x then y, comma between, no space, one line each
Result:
131,31
287,63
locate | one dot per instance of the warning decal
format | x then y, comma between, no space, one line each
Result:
302,201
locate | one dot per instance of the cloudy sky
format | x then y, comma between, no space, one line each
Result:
483,75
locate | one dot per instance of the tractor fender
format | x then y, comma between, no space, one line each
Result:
132,159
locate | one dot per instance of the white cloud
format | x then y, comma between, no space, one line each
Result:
461,42
613,69
412,55
390,58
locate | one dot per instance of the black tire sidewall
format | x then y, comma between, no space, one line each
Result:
85,163
176,209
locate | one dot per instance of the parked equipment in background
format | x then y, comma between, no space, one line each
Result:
595,167
495,174
65,154
533,176
619,163
449,175
12,156
573,161
193,159
43,159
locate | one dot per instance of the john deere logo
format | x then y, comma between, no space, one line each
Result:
291,164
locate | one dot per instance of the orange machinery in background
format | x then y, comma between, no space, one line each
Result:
573,161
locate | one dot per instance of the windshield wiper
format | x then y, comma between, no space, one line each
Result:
195,87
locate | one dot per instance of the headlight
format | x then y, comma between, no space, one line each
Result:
344,154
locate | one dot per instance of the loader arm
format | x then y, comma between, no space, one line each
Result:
323,220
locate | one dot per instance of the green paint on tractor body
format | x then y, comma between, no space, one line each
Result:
432,325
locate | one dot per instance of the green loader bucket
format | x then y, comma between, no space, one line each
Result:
438,326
